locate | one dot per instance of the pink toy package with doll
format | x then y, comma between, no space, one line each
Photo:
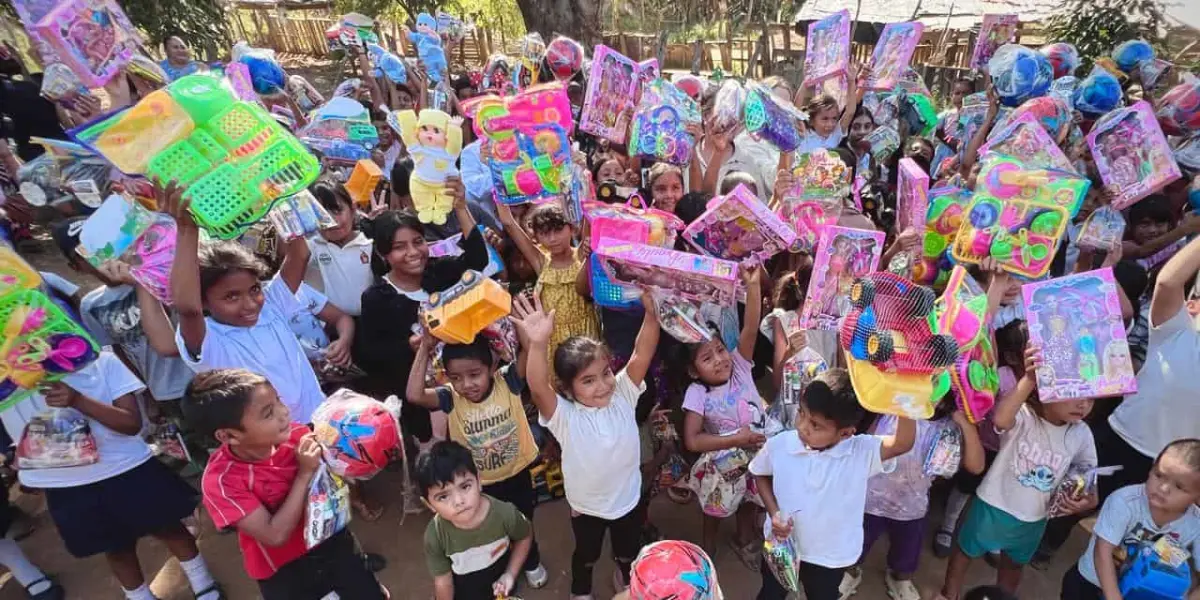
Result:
1132,154
1024,138
691,276
1017,216
912,196
828,47
611,95
994,31
820,183
843,255
92,37
1102,230
892,53
1076,321
737,227
659,131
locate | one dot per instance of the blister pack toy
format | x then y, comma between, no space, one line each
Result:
1076,321
1079,482
1024,138
912,196
827,47
947,205
300,216
611,94
364,179
994,31
529,141
884,142
124,230
783,561
433,139
659,130
691,276
1132,154
962,313
771,119
359,435
821,182
1102,230
328,508
38,343
233,158
341,130
892,53
457,314
1158,571
1019,73
238,75
738,226
631,222
945,454
798,371
1179,108
57,438
680,318
843,255
92,37
1017,216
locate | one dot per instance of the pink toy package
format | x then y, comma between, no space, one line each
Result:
92,37
912,201
611,94
892,53
1024,138
1132,154
828,47
1102,230
995,31
738,226
692,276
1076,321
843,255
238,75
821,182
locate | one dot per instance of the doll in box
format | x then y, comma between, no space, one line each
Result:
434,141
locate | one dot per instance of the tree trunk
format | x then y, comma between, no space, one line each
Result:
577,19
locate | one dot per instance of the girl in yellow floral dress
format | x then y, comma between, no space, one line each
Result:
559,265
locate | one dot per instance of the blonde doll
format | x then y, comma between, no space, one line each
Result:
434,140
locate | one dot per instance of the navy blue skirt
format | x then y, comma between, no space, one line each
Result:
113,514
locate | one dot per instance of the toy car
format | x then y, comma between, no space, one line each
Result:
892,324
1148,577
457,314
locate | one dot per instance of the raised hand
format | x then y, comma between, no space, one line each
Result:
531,320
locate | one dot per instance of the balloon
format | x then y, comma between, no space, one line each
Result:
1019,74
1051,112
1179,108
1063,57
266,75
359,435
1128,55
564,56
673,570
1097,94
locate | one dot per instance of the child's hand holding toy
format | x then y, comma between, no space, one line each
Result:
169,198
117,271
60,395
781,526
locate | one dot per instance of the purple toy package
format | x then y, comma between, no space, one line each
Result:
92,37
738,226
687,275
995,31
611,94
828,47
659,130
892,53
1076,321
843,255
912,195
1024,138
1132,154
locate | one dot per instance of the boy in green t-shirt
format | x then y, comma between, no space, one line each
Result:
476,544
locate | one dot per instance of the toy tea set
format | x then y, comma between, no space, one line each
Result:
947,205
843,255
124,230
738,226
1132,154
659,130
828,47
234,159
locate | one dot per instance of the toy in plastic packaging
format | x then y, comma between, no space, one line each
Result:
961,312
57,438
1179,108
328,509
429,47
1152,72
728,105
165,439
238,75
1017,216
1187,154
359,435
821,182
92,37
612,89
892,53
1130,54
691,276
648,70
61,84
350,30
1063,57
300,216
1156,571
912,196
947,205
680,318
918,112
529,141
1076,321
673,569
631,222
460,312
721,481
1132,154
1052,112
233,158
828,47
1079,483
1102,230
1019,73
1097,93
782,559
738,226
451,28
266,76
772,119
994,32
1024,138
564,57
798,371
945,453
690,84
843,255
659,130
124,230
388,64
883,142
341,131
433,139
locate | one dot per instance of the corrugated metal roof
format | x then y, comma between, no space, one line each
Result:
963,14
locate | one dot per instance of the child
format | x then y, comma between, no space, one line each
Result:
814,479
592,415
1163,508
723,410
258,480
1038,444
339,263
827,123
1152,234
487,417
560,268
665,183
106,507
475,544
227,319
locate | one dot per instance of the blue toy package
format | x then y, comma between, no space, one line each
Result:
1156,572
388,64
607,293
429,47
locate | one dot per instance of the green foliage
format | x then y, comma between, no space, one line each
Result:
1096,26
502,17
201,23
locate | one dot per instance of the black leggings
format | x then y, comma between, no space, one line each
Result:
626,532
1075,587
519,491
335,565
819,583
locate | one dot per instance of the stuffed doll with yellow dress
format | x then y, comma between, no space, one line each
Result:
434,140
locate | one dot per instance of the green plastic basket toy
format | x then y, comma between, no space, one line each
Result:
39,343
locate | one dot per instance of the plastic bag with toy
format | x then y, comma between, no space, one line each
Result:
57,438
1079,483
328,509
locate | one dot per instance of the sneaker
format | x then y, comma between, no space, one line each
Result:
850,582
943,544
538,577
901,589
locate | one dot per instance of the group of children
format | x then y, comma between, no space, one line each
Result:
246,352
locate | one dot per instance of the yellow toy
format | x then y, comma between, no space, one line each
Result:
434,141
15,273
159,113
457,314
363,181
905,394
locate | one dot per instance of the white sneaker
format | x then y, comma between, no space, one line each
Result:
901,589
850,582
538,577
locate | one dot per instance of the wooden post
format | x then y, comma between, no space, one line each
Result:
768,54
697,56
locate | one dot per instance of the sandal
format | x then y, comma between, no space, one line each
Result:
210,589
54,592
750,554
365,512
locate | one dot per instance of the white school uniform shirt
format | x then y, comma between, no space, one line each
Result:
341,273
104,381
1125,520
114,318
1164,407
812,141
1034,457
601,452
269,348
824,491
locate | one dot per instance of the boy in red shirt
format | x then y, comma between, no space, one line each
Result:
258,482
